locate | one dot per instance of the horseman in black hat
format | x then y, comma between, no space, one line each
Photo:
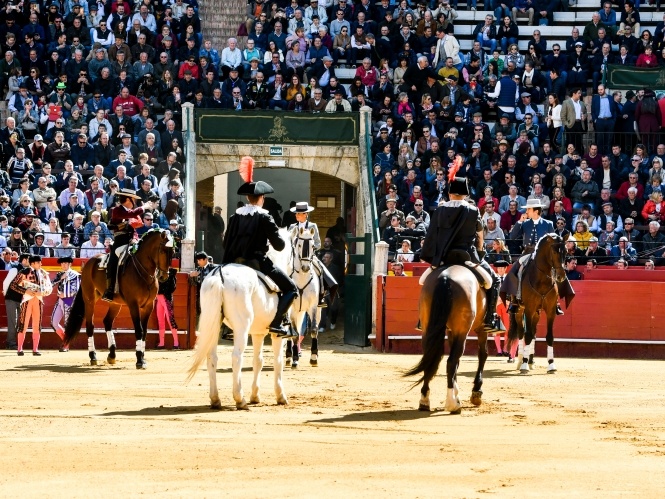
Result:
328,282
124,219
455,235
246,242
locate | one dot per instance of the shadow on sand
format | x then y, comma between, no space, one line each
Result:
168,411
373,416
62,369
246,369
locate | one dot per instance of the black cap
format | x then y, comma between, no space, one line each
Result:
255,188
459,186
501,263
65,259
201,255
34,258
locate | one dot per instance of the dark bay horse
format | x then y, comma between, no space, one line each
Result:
452,301
137,283
539,293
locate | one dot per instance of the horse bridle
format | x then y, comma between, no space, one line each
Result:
306,256
552,274
143,272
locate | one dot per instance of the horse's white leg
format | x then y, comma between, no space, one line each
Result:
215,403
278,351
551,368
452,401
257,343
91,350
524,367
239,345
520,354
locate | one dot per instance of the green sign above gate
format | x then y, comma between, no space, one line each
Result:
276,151
272,127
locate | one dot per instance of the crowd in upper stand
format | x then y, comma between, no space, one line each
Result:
94,94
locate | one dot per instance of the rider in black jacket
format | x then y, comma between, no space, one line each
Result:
246,242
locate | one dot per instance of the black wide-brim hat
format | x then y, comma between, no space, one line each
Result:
459,186
255,188
65,259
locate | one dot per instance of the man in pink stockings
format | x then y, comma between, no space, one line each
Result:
501,267
37,285
164,308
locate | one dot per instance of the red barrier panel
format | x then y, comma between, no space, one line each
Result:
606,319
185,315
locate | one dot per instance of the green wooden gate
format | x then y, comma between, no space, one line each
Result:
358,292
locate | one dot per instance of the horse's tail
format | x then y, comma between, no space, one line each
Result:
513,332
210,321
76,316
435,335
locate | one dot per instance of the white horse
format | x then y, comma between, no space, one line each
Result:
235,295
309,287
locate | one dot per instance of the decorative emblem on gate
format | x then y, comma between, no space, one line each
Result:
278,132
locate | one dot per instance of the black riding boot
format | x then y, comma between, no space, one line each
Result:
285,302
491,296
110,289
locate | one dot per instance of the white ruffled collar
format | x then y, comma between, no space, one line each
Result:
250,209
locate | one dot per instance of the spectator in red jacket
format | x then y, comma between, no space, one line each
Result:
131,105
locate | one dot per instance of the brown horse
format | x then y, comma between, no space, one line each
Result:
451,301
137,284
540,276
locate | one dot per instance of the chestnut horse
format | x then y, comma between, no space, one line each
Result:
137,285
452,301
540,275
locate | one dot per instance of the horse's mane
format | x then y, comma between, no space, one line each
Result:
147,235
281,259
553,235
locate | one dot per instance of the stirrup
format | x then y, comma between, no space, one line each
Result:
558,310
108,295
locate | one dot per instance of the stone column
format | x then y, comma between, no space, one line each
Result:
220,20
187,244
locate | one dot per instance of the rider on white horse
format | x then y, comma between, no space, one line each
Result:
302,210
246,242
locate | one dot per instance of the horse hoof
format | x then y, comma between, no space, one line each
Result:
551,369
282,400
476,398
424,408
524,369
93,362
242,406
255,400
294,365
532,366
456,411
141,365
216,405
313,362
110,360
288,362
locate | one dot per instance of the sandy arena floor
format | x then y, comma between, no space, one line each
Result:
594,429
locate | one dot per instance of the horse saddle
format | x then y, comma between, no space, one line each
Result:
254,265
461,257
122,253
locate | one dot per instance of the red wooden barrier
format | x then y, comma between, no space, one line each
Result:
606,319
185,314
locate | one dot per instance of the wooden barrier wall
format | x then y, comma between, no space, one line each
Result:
184,303
607,318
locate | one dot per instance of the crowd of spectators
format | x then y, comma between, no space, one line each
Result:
93,93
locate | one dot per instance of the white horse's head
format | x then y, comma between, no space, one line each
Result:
283,259
303,246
